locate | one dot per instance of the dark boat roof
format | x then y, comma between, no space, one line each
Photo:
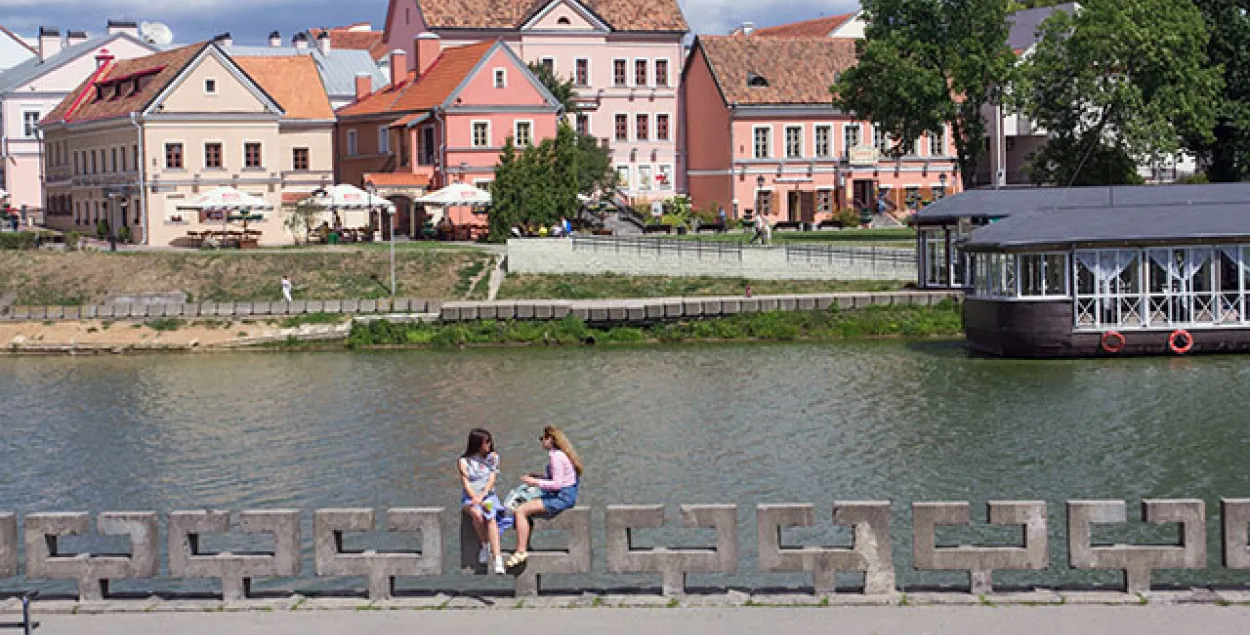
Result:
1123,224
990,204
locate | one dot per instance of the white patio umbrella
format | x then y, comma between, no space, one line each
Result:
356,204
227,199
457,194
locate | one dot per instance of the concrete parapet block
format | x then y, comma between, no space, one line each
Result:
38,312
653,310
92,572
190,310
401,305
90,312
380,568
72,313
618,314
980,562
487,311
505,311
331,306
750,305
806,303
368,306
315,306
1138,561
543,310
598,314
575,558
1235,513
692,308
55,313
869,552
350,306
244,309
297,307
234,570
672,308
524,310
771,303
730,306
887,299
580,312
823,302
672,564
8,545
712,307
20,313
787,303
561,310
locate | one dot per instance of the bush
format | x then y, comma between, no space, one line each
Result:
19,241
848,217
71,240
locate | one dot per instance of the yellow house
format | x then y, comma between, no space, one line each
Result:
142,138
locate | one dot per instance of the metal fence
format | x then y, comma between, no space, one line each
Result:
698,249
869,256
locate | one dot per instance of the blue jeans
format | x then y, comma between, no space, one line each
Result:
557,501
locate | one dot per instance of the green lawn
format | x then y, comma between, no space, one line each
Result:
588,287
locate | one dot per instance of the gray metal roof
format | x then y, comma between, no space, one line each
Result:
34,68
1024,24
338,68
1134,223
987,204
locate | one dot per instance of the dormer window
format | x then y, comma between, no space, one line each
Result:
99,92
755,80
501,78
117,90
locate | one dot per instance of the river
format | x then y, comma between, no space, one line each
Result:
741,424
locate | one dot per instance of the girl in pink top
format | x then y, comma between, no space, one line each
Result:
559,485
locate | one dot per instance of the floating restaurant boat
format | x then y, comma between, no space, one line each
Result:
1104,271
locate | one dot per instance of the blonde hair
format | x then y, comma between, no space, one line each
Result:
562,444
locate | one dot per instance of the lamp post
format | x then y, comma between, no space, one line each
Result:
942,180
373,192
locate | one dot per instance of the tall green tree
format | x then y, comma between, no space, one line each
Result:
1118,83
1227,154
595,173
928,63
562,89
565,159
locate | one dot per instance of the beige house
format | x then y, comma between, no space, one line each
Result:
140,139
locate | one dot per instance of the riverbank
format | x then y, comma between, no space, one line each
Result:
337,332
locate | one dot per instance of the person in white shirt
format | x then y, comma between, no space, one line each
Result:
286,288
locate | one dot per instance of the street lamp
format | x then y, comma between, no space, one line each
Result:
942,180
373,192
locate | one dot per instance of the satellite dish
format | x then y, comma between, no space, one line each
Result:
156,33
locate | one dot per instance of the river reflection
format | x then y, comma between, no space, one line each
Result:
744,424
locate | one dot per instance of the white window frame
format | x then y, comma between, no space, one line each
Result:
828,128
666,170
655,126
579,60
384,140
579,117
859,137
500,76
755,129
352,146
645,176
478,183
204,154
473,133
633,120
627,72
629,127
542,61
516,131
799,137
243,157
625,181
30,129
215,87
633,72
880,140
827,191
164,155
668,73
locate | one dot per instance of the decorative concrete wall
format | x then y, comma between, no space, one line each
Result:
869,553
661,257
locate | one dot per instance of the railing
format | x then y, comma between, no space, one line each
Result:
699,249
821,254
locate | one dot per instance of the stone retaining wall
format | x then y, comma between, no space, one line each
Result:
614,311
870,552
659,257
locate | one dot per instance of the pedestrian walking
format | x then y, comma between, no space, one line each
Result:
759,229
25,216
286,289
479,470
559,486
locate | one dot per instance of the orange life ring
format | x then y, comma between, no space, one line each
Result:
1177,348
1112,342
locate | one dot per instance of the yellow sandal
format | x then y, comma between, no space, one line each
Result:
517,559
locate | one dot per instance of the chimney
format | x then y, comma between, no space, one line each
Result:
103,57
275,39
427,47
75,37
364,85
128,27
399,66
224,39
323,42
49,41
300,41
746,28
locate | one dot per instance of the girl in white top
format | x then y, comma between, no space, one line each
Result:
478,468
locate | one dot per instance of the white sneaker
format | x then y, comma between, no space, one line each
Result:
483,554
499,565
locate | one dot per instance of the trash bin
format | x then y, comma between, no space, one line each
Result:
334,238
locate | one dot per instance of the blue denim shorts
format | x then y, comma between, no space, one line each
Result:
557,501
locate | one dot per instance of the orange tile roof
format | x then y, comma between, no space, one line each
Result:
294,197
621,15
293,82
119,99
799,70
343,37
432,89
397,179
818,27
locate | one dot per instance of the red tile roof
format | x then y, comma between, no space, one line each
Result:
293,82
620,15
432,89
798,70
123,86
818,27
397,179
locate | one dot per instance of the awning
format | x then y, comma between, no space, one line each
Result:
411,120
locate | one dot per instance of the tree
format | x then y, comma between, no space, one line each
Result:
299,221
1118,83
1227,154
536,185
928,63
562,90
595,173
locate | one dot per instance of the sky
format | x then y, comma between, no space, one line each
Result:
251,21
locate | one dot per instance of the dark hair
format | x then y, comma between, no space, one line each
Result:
477,436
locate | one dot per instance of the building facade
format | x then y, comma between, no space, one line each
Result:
762,136
31,89
141,139
443,122
624,57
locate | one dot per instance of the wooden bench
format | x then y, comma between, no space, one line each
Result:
657,229
602,232
830,224
712,227
790,225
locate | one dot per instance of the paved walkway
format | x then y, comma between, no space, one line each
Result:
932,620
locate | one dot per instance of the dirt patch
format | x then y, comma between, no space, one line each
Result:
51,278
103,333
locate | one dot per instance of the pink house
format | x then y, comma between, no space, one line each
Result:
624,57
443,122
762,135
